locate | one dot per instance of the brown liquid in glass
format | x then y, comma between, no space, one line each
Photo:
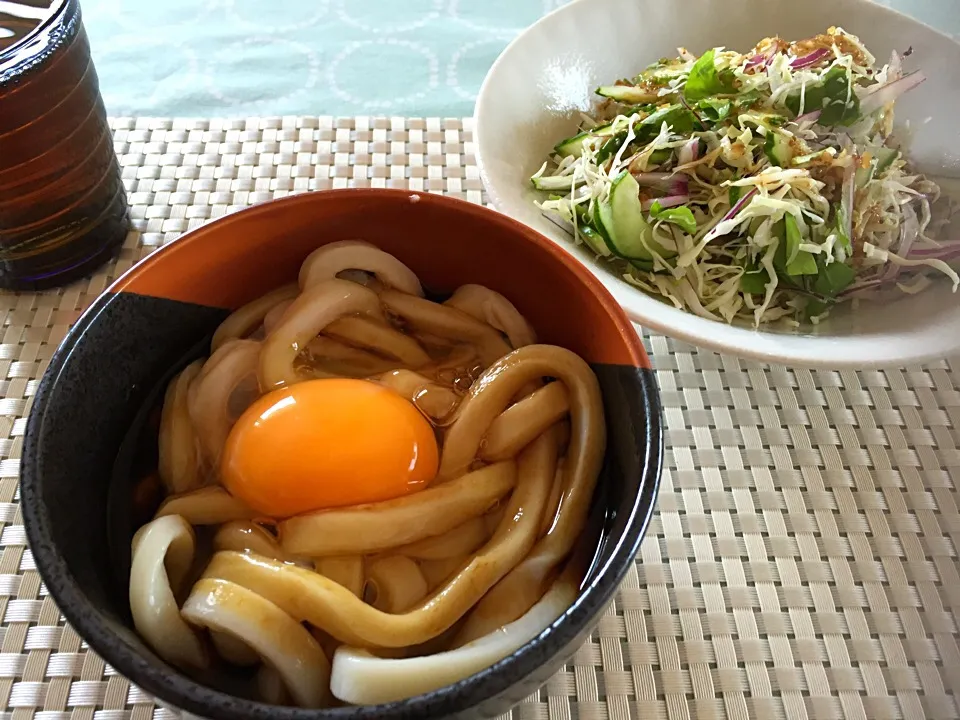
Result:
63,207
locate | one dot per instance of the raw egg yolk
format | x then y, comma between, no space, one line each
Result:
325,444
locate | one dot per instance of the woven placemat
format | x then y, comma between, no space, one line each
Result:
803,561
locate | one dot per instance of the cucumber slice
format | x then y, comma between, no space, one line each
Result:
556,182
597,222
574,145
610,147
587,227
594,240
804,159
627,94
659,157
778,150
623,223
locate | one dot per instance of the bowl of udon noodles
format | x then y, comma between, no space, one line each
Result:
348,454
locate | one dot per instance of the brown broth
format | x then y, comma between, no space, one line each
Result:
63,206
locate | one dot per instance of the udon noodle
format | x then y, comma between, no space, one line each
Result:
379,601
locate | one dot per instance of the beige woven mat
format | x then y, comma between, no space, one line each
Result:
803,561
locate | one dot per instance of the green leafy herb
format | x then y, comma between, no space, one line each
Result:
746,100
814,307
799,262
714,110
682,217
885,158
769,145
704,80
840,227
677,117
833,278
803,264
734,194
754,281
779,231
643,109
833,95
764,120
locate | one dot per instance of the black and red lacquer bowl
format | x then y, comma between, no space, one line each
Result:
86,434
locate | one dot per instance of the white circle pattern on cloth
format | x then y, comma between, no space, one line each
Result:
237,58
377,17
401,60
290,19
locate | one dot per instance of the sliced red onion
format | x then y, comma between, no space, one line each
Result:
664,182
865,285
667,202
882,96
718,229
689,152
741,204
652,176
890,279
670,183
809,117
950,252
909,231
811,59
763,60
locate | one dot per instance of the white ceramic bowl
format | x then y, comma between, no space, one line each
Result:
533,94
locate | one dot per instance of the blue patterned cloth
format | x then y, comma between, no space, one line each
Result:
237,58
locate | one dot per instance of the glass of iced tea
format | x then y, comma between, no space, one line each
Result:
63,207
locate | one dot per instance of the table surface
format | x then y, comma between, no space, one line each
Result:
236,58
802,563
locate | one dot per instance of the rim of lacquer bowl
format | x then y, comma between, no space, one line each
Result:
175,688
